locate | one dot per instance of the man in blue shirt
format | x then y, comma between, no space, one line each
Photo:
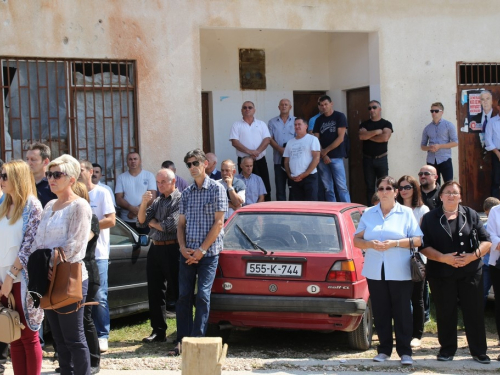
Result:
282,130
200,234
492,143
438,138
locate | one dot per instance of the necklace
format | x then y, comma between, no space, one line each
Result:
450,212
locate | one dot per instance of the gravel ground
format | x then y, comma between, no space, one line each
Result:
290,351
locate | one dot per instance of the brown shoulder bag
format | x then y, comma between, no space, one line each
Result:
10,322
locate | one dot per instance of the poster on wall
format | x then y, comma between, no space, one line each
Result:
475,111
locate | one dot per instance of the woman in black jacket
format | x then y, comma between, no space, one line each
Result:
454,271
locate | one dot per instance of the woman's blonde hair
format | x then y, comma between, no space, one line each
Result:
67,164
80,189
23,185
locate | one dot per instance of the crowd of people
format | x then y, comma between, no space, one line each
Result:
62,203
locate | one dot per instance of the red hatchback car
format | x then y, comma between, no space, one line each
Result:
292,265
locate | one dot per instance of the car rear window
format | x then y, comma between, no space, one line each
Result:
285,232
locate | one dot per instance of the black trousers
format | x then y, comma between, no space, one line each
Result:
89,328
391,301
495,281
446,291
417,302
162,269
305,190
444,169
372,170
260,169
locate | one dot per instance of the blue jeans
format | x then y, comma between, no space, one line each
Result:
281,181
205,270
100,313
334,173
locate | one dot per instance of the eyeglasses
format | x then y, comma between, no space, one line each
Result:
3,176
387,188
195,163
436,110
451,194
406,187
420,174
57,175
245,107
372,107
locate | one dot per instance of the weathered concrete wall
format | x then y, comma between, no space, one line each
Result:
419,45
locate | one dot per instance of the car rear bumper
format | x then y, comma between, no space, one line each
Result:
332,306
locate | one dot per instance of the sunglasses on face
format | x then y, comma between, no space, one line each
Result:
372,107
387,188
195,163
57,175
245,107
406,187
436,110
420,174
3,176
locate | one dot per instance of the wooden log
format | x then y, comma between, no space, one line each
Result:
203,355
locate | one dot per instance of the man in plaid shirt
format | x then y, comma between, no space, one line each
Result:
200,235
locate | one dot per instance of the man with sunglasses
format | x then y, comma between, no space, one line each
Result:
250,137
200,234
374,134
429,186
438,138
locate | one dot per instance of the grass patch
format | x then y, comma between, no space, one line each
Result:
135,327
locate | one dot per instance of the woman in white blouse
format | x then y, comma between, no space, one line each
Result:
409,195
65,223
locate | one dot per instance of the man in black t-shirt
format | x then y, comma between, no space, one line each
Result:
374,134
429,186
330,128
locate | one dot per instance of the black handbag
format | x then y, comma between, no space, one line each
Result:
417,265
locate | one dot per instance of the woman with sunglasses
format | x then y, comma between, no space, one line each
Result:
454,271
384,232
19,218
409,196
65,223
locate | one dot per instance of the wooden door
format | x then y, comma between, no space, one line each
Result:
357,104
305,103
205,122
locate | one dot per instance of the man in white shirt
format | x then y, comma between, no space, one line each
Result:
255,190
492,143
235,188
130,187
301,159
96,180
250,137
102,207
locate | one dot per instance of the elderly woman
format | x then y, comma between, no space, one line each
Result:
454,271
409,196
65,223
19,217
385,231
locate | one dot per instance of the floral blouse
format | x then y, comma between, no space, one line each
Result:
67,228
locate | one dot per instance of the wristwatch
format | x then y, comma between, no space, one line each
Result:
202,251
230,189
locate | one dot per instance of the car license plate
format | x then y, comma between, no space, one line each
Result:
274,269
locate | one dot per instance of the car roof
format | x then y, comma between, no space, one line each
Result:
301,206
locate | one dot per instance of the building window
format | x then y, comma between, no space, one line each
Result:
84,108
252,69
478,74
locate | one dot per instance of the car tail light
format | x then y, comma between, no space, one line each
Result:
342,271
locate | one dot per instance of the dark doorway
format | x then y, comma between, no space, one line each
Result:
357,101
305,103
205,122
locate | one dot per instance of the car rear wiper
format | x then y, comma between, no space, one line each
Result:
254,245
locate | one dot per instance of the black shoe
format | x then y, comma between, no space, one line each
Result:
482,358
155,337
94,370
58,370
444,357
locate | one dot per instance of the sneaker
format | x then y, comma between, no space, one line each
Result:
406,360
381,357
103,344
482,358
415,343
444,357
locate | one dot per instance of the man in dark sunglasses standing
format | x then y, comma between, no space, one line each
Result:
375,134
438,138
250,137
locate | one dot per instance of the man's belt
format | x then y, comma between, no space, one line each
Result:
375,157
162,243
